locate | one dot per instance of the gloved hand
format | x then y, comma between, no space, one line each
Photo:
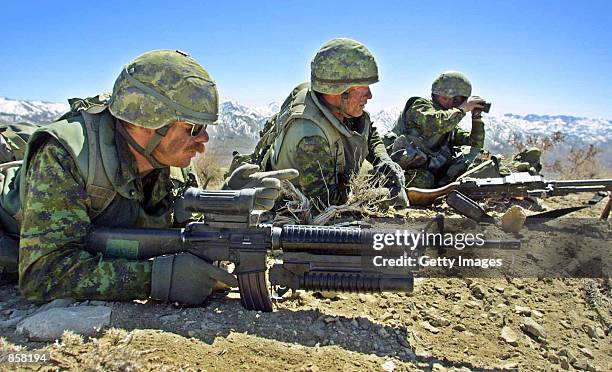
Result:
473,102
248,176
399,198
392,172
185,278
266,195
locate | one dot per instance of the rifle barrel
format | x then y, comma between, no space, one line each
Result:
604,183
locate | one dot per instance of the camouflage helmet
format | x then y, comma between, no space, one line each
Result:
163,86
341,64
452,84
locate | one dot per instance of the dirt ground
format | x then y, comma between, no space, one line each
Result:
456,324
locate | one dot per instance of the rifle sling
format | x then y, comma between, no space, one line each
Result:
551,215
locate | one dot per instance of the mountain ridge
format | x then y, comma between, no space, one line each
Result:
241,125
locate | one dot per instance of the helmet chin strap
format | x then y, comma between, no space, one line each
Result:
151,145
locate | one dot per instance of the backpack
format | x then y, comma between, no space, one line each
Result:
13,141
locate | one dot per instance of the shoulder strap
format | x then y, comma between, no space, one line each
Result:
98,186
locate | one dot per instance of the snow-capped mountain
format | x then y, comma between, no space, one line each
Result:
503,130
13,111
240,125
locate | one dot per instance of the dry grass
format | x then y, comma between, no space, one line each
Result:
367,197
579,163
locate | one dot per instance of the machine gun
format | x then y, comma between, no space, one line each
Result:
515,185
318,258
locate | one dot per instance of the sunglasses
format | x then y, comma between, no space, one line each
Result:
197,129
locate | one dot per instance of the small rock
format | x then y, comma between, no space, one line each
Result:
592,367
388,366
513,220
478,292
565,324
587,352
564,362
600,332
330,319
387,316
553,358
191,333
459,327
429,327
532,327
522,310
580,365
537,314
508,335
566,353
49,325
354,323
500,289
437,367
518,283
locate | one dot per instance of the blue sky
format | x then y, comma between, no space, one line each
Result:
543,57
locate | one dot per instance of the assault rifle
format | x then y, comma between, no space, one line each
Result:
515,185
318,258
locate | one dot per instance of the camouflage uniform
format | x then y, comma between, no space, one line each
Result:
429,145
56,217
308,136
326,166
79,172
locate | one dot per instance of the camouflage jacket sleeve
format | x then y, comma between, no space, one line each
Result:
52,259
430,121
474,138
376,147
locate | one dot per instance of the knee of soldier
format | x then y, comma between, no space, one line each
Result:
31,289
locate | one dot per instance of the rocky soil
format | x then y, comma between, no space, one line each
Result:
455,324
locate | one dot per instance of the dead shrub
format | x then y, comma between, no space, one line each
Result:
209,170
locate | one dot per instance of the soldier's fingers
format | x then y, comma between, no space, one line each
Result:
246,170
267,193
270,183
281,174
264,204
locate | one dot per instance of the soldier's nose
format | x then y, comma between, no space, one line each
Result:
202,137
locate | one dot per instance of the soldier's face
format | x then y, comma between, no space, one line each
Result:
357,99
450,102
179,145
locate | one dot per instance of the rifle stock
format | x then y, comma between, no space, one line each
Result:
423,197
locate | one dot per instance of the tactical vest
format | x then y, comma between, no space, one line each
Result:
348,147
89,137
437,148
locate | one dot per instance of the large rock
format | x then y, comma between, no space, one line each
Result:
508,335
49,325
532,327
513,220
